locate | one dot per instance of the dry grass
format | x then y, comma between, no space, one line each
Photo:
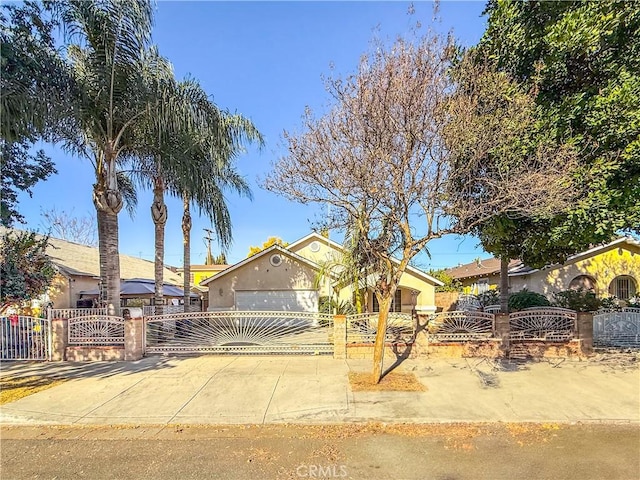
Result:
12,389
392,382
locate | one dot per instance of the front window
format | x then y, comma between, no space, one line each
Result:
583,282
623,287
396,303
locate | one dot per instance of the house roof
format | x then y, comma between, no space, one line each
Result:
205,268
82,260
525,270
491,266
479,268
318,237
142,286
247,260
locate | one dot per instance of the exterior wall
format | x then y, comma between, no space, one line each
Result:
325,252
446,301
603,268
260,275
65,292
408,282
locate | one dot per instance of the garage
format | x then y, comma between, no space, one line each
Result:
277,300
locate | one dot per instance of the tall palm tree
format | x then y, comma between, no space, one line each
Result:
106,56
213,157
190,154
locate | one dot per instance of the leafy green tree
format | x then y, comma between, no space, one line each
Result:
269,243
583,60
25,269
450,284
34,89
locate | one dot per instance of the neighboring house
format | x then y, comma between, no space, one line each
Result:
78,271
137,292
609,270
200,273
479,276
612,269
290,278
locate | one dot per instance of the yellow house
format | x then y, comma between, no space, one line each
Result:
199,273
290,278
608,270
479,276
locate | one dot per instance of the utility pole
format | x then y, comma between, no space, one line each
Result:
209,260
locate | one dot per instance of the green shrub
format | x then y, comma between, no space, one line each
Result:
526,299
580,300
490,297
327,305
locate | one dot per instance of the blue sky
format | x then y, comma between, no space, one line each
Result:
264,60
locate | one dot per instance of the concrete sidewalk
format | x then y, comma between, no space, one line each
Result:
311,389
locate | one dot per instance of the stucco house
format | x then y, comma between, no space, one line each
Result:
288,278
78,273
480,275
612,269
609,270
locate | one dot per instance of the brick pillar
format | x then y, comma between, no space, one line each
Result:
59,339
502,329
340,337
585,332
133,337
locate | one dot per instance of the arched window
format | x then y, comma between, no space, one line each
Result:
624,287
584,282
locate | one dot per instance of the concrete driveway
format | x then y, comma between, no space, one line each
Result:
315,389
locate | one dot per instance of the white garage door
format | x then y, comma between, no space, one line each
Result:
277,301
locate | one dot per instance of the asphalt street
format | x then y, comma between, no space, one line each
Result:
371,451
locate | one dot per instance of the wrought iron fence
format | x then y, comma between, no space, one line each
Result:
65,313
96,330
617,328
255,332
363,328
491,309
468,302
549,324
460,326
25,338
148,310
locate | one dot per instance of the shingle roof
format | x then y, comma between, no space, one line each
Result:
480,268
76,259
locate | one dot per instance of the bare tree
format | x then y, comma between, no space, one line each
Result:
381,158
64,225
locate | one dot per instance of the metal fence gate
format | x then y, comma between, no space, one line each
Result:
25,338
617,329
240,332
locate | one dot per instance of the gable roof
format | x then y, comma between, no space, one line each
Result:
525,270
250,259
318,237
481,268
82,260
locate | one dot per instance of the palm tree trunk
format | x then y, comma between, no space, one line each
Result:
378,348
504,284
159,215
108,202
102,253
186,232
